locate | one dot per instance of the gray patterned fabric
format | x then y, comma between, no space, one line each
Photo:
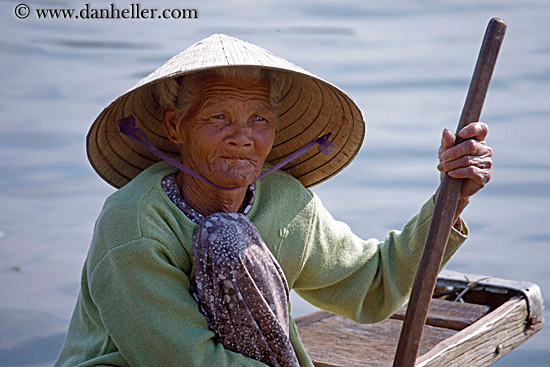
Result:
238,284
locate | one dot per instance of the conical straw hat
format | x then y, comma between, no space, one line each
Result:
309,107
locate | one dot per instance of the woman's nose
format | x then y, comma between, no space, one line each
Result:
240,135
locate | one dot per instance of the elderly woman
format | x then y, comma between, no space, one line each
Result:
192,261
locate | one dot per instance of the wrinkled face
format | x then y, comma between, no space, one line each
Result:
229,131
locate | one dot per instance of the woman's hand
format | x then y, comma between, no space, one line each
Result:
470,160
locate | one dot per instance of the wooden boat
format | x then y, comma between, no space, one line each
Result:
472,321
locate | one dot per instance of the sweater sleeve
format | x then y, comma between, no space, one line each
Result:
144,303
364,280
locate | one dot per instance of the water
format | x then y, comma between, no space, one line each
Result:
406,63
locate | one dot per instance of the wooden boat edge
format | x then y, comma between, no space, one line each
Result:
490,338
485,341
531,291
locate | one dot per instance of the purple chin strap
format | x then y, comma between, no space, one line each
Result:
128,127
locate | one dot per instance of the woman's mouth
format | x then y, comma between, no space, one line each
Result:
236,159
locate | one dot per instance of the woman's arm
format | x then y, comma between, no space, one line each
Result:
368,280
144,303
364,280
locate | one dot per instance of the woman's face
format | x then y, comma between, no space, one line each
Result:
229,131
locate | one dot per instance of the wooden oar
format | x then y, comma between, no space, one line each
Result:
446,205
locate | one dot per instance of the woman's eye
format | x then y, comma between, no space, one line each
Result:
259,118
219,117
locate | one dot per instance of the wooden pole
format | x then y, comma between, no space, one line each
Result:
446,205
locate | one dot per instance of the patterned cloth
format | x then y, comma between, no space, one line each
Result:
238,284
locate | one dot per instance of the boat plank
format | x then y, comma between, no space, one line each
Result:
334,341
450,315
312,317
337,341
485,341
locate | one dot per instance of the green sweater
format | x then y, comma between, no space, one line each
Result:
135,309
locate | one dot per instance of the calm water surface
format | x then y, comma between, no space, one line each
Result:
407,64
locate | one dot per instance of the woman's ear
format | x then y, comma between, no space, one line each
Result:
170,124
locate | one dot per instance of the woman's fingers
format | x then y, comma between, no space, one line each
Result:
483,161
476,179
478,174
447,140
470,160
476,130
468,147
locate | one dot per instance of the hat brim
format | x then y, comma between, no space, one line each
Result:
308,108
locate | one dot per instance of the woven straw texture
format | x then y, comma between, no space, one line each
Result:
309,107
